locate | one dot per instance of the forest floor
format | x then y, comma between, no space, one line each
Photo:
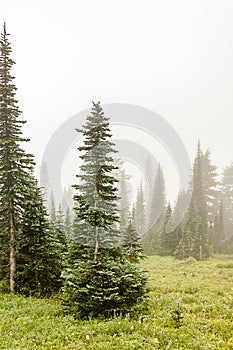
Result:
190,306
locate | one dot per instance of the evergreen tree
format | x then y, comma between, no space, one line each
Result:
184,247
179,210
150,239
60,229
226,188
38,253
139,211
150,169
106,287
158,240
23,226
67,199
218,235
200,244
124,202
195,239
60,219
44,182
165,246
175,224
68,224
158,197
133,214
96,201
101,279
14,163
210,186
131,242
52,209
124,199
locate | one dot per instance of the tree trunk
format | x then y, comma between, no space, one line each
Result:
201,253
96,243
12,255
96,229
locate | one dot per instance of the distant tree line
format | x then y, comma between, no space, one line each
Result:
207,226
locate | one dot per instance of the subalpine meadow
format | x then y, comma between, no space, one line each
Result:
190,307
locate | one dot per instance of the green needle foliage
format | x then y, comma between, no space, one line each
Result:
39,250
28,254
14,164
96,200
101,279
131,242
195,240
158,197
104,287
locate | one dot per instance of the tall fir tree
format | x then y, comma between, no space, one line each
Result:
188,227
165,246
60,229
175,223
101,279
52,209
124,201
150,170
14,162
195,239
210,185
158,240
96,198
201,242
139,215
45,183
22,215
60,219
158,197
123,191
218,232
68,223
226,197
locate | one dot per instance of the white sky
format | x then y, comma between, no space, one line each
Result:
172,56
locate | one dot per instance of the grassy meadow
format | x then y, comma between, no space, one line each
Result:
190,306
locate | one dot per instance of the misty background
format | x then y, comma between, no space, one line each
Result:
173,57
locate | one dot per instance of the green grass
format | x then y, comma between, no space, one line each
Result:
190,307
